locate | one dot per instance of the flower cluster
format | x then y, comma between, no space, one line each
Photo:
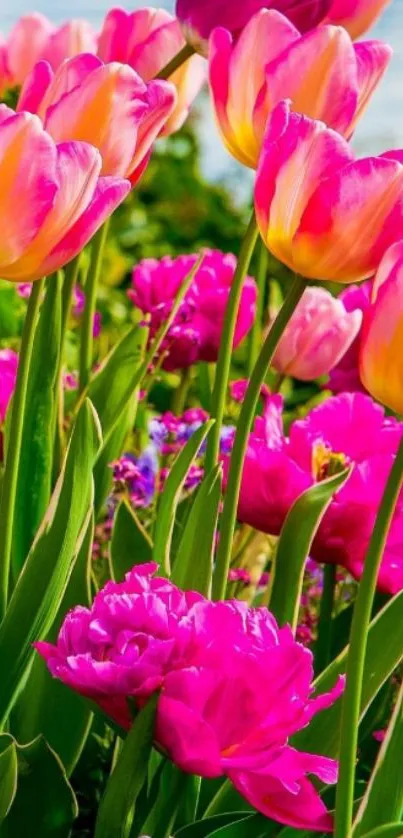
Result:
210,661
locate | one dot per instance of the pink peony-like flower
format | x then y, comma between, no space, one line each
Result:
234,687
8,376
345,376
147,39
349,429
196,332
271,61
107,105
34,38
198,19
53,199
319,333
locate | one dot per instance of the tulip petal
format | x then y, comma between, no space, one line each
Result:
29,182
162,99
25,45
356,15
35,88
373,59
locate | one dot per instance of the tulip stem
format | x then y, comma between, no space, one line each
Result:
324,641
226,345
70,278
358,648
183,55
255,337
91,288
13,452
228,520
181,392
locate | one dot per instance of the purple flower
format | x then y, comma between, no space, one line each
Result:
139,474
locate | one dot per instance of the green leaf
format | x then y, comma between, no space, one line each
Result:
8,774
322,734
173,790
130,543
44,805
42,584
254,826
128,778
35,470
46,706
383,799
170,497
201,829
303,518
117,379
391,830
193,566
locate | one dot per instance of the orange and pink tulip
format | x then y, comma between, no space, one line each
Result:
107,105
323,73
320,211
357,16
52,199
381,348
147,40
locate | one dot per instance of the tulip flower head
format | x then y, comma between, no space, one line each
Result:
52,200
381,358
319,333
147,40
344,376
198,19
320,211
107,105
346,430
34,38
272,61
357,16
196,332
211,660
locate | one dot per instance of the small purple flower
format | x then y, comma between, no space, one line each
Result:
139,474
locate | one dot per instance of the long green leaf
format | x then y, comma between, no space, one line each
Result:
117,379
35,470
44,805
391,830
130,543
128,778
322,734
383,799
170,497
193,567
41,586
46,706
303,519
254,826
201,829
8,774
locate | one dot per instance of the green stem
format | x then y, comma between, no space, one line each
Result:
91,288
70,279
183,55
358,647
255,337
324,641
228,520
226,347
8,498
181,392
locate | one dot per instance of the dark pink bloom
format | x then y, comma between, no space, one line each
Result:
349,429
198,19
234,687
344,377
196,332
8,376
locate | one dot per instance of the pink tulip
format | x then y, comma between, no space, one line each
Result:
346,430
195,334
381,346
198,19
147,40
4,73
107,105
69,40
321,212
271,61
356,15
52,199
234,687
8,375
344,377
318,335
